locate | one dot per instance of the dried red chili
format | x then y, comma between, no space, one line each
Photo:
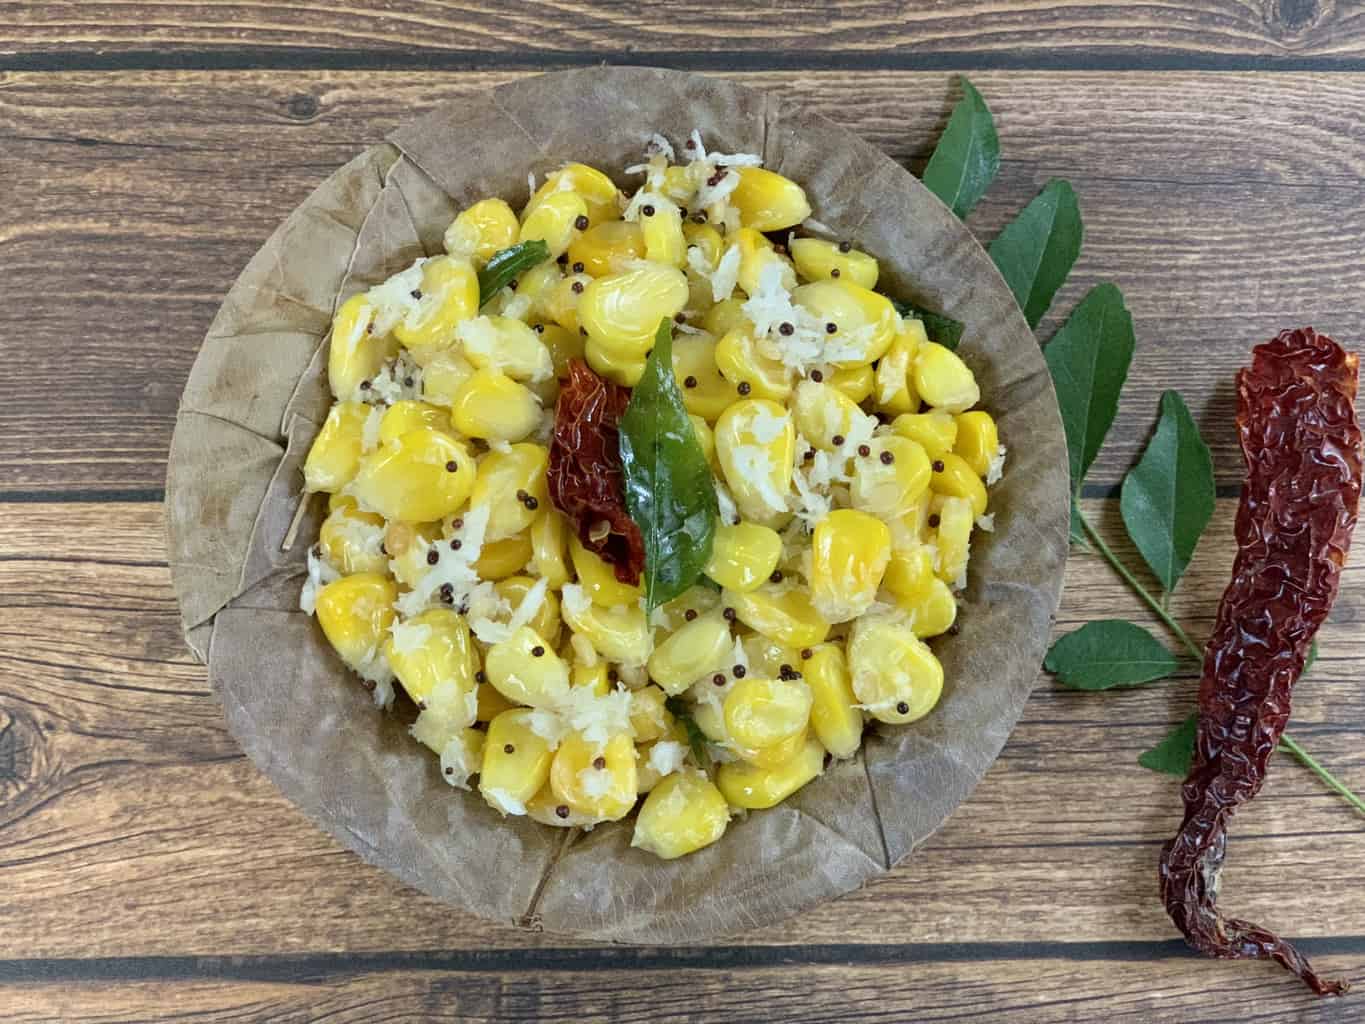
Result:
585,470
1302,447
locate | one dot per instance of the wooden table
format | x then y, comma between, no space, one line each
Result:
149,872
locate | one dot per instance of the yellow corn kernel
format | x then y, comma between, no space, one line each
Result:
503,558
597,190
408,545
433,657
698,600
494,407
537,285
408,415
910,572
596,779
422,475
481,230
512,484
865,322
647,776
545,808
460,747
780,613
943,380
335,455
564,346
450,293
895,675
822,412
819,260
756,445
649,718
679,184
355,613
769,658
763,712
606,248
895,389
778,753
622,311
607,362
338,500
709,241
697,649
935,431
663,233
710,719
504,345
444,376
707,439
743,555
525,668
491,702
554,219
757,787
705,392
563,301
516,762
954,538
682,814
546,620
855,382
834,716
755,253
978,441
353,541
958,479
618,633
849,554
724,317
550,546
767,201
598,578
355,353
741,362
889,489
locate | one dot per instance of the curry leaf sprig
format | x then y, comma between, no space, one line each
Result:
1167,499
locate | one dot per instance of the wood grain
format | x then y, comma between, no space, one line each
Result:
130,826
1225,206
1009,32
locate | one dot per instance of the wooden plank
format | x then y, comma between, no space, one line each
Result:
128,241
1015,32
128,810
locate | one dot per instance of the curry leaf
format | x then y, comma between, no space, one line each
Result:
504,266
670,492
1108,653
967,156
1088,359
942,329
1173,754
1167,498
1036,250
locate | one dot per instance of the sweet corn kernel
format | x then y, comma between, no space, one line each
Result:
724,317
895,674
450,293
865,322
481,230
895,390
763,712
943,380
697,649
849,554
768,657
491,703
755,253
822,412
512,484
709,241
780,613
698,600
353,541
954,538
335,455
494,407
756,787
443,377
756,445
460,747
526,670
596,779
563,301
958,479
408,415
743,555
855,382
663,234
834,716
935,431
934,611
507,346
545,808
606,362
355,613
503,558
591,677
707,439
705,392
978,441
553,219
537,285
649,718
777,754
516,762
409,545
819,260
550,546
682,814
433,657
710,719
598,578
546,620
422,475
767,201
910,572
889,487
596,189
355,353
622,311
741,362
618,633
607,248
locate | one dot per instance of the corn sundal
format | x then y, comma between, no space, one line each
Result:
850,466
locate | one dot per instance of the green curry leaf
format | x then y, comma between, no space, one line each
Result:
1108,653
1174,753
507,264
967,156
1037,249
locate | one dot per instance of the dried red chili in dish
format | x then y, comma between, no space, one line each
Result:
584,475
1302,445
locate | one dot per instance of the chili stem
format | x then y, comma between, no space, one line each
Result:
1286,741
